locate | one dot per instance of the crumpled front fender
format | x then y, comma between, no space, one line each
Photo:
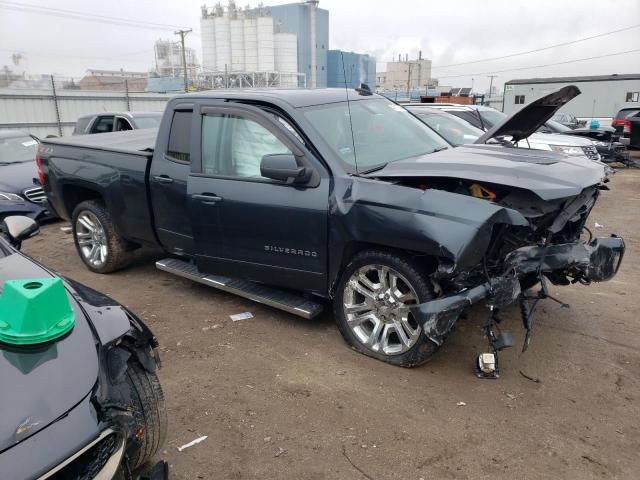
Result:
435,222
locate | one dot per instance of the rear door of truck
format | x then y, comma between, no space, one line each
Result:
248,226
168,179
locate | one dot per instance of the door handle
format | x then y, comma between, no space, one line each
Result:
163,179
207,198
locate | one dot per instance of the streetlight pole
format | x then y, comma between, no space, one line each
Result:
182,34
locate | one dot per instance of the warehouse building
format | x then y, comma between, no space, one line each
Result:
350,69
602,95
405,74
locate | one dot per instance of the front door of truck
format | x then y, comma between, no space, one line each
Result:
248,226
168,181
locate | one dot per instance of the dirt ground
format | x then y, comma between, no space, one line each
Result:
283,397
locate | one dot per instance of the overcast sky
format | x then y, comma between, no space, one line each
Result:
452,31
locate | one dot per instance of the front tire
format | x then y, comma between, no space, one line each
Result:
97,241
371,308
148,410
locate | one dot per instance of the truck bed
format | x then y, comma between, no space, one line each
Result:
112,167
136,142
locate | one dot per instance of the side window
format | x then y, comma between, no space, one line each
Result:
519,99
103,125
234,146
633,97
180,136
122,124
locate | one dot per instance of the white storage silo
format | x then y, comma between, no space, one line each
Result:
266,58
207,36
251,44
286,52
237,45
222,42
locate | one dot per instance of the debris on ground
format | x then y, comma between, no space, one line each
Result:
192,443
66,229
281,451
529,377
461,404
597,225
241,316
510,396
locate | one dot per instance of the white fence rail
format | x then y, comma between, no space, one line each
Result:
50,112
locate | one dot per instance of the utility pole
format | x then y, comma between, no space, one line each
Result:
182,34
491,83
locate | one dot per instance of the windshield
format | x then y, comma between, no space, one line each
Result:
455,130
17,149
151,121
383,132
491,117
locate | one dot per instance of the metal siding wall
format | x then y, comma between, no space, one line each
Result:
34,110
609,96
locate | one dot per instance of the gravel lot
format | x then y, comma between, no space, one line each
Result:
282,397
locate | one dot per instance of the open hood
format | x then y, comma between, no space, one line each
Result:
530,118
547,174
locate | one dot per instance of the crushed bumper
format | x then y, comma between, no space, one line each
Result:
597,261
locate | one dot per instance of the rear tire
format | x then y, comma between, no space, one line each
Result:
148,410
100,246
371,311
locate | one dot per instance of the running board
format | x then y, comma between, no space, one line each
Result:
257,292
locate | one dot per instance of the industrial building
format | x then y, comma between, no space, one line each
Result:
265,46
405,74
311,26
602,95
114,80
350,69
168,59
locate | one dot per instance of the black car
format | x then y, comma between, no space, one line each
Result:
20,192
629,119
79,397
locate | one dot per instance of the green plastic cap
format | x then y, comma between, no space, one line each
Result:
34,311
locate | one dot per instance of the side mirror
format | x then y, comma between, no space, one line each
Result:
285,168
18,228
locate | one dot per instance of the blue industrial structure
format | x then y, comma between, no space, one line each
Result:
357,68
311,24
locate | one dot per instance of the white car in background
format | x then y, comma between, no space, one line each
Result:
486,118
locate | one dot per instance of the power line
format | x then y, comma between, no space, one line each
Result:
541,66
539,49
58,12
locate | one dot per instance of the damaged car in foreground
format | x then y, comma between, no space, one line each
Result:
79,395
289,197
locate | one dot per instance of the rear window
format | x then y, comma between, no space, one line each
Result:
180,137
627,113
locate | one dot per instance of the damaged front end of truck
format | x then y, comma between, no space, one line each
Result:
499,219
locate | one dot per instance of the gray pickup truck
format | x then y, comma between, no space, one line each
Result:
295,198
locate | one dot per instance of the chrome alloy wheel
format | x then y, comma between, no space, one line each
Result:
91,238
376,305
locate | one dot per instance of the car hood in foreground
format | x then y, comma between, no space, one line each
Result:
549,175
16,177
37,387
530,118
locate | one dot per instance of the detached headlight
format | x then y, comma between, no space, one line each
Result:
11,197
573,151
